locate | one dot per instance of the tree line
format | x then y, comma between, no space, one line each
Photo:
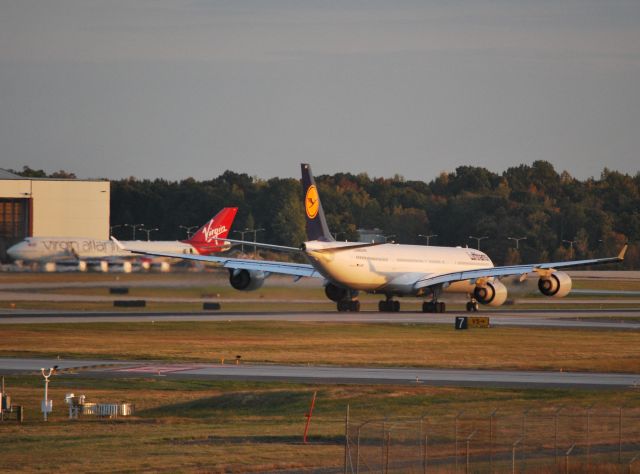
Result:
527,213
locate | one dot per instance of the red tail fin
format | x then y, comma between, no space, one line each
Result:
207,239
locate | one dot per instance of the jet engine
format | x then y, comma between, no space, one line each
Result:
338,293
492,293
246,280
556,284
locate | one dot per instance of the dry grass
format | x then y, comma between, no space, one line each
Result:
329,343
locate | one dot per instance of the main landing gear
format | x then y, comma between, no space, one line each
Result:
434,306
349,305
389,306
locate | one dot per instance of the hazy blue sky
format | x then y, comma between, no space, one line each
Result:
155,88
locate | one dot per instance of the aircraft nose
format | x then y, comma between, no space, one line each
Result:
15,251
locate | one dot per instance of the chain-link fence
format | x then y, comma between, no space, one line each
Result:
551,439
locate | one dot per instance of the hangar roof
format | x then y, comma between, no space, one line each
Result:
4,174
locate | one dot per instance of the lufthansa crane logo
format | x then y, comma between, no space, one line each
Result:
312,202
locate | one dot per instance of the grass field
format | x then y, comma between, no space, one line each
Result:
199,426
329,343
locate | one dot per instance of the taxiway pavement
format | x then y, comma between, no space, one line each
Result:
619,319
327,374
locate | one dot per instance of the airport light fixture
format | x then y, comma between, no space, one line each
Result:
428,237
111,227
570,242
188,229
148,231
134,227
248,231
242,232
47,405
517,240
478,239
255,233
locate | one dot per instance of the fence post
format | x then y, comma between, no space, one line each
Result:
513,456
425,460
423,451
456,439
386,466
620,436
468,441
566,458
555,437
589,436
493,413
524,436
358,446
384,433
347,451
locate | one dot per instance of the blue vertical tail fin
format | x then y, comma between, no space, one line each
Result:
317,228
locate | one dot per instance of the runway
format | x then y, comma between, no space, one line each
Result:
326,374
618,319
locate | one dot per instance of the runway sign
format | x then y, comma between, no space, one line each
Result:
478,322
461,322
465,322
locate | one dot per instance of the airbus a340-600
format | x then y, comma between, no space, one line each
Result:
391,269
80,251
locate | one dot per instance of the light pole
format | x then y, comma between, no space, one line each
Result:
148,231
570,242
188,229
427,237
242,232
134,227
478,239
517,239
255,234
47,405
111,227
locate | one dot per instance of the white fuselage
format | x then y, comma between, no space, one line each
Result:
392,268
77,248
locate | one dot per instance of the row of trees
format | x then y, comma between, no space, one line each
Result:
553,214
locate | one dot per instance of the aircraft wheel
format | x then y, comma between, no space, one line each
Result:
428,307
396,306
382,306
343,306
469,306
476,307
354,306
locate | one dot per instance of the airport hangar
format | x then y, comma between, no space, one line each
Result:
45,207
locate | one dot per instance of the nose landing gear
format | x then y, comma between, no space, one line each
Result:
434,306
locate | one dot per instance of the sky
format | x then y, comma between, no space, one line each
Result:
177,89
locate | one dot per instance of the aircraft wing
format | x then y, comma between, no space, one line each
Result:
281,268
434,280
249,243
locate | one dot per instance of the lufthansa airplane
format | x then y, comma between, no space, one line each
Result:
390,269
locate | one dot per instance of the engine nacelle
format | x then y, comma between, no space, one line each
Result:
338,293
557,285
246,280
493,293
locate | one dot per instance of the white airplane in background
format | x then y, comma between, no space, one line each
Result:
83,251
390,269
